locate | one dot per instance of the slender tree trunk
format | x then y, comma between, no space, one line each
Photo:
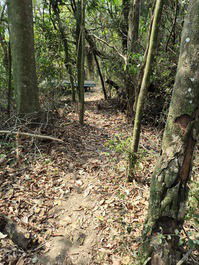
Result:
80,56
89,62
7,65
169,186
132,42
142,68
101,77
146,76
67,60
23,58
124,28
9,79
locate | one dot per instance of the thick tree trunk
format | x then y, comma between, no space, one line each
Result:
80,56
169,187
23,58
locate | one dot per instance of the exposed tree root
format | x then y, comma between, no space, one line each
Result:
17,234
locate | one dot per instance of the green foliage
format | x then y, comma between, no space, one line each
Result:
119,144
193,204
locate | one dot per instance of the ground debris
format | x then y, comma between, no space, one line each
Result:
74,198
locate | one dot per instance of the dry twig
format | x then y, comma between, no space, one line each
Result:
32,135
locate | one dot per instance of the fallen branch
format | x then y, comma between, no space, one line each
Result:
185,257
15,233
33,135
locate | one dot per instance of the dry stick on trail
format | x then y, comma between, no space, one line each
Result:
32,135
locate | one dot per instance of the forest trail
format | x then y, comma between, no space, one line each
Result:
95,213
74,196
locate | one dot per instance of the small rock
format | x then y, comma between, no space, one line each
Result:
34,259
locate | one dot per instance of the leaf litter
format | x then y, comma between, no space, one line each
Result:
73,198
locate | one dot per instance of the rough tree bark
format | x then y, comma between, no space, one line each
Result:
169,189
23,58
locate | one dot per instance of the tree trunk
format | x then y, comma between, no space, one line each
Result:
67,60
8,68
146,76
132,41
90,63
9,79
124,25
133,25
80,56
101,77
169,186
23,58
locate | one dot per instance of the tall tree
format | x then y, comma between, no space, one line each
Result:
124,24
67,59
132,47
133,25
169,186
147,71
143,90
81,56
23,58
6,60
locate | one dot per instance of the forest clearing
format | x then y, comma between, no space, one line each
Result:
99,104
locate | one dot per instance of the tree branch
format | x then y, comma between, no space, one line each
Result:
33,135
111,46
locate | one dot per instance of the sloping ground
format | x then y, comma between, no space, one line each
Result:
73,197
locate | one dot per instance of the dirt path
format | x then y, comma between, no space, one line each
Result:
95,213
75,197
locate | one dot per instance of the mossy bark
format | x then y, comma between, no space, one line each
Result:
23,58
169,189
